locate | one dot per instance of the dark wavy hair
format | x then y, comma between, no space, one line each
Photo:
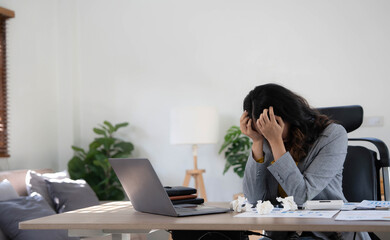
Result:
306,123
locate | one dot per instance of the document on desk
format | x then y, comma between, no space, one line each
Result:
291,214
349,206
366,204
363,215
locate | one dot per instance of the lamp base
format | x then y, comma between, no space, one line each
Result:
197,174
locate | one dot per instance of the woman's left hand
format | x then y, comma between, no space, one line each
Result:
271,127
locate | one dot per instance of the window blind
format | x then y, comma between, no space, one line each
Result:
4,15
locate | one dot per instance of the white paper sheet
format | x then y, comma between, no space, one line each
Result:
348,206
291,214
373,204
357,215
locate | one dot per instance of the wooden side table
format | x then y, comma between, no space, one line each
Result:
197,174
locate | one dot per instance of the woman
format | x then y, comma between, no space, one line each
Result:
296,152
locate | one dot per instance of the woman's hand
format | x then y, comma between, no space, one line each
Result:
271,127
247,129
257,138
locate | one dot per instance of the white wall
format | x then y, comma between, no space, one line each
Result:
32,83
135,60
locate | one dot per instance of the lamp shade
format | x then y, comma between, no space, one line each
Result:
194,125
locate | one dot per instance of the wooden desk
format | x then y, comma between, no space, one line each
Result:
121,217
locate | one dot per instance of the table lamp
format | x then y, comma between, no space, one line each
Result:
194,126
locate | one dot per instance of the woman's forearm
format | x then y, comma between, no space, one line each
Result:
278,148
257,150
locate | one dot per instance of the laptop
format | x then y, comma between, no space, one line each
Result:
147,194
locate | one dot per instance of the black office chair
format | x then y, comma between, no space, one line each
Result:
361,175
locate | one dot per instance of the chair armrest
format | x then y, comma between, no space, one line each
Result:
381,146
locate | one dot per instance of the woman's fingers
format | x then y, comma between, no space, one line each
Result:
280,121
249,127
271,127
259,124
243,128
249,131
246,124
244,118
272,114
243,122
244,115
262,119
265,115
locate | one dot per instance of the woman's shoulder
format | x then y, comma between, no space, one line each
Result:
333,135
334,130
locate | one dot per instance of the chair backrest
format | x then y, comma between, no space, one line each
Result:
361,174
350,117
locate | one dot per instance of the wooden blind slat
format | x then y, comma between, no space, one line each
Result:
4,14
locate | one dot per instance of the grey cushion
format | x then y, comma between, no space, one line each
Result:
35,182
70,195
7,191
3,236
26,208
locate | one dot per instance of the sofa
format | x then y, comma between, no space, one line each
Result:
22,198
18,179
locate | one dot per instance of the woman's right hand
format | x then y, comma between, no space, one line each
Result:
247,129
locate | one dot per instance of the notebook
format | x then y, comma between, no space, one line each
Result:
147,194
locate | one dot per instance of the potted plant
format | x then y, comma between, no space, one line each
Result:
237,147
92,165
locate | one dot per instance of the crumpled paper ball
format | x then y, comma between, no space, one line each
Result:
240,205
288,203
264,207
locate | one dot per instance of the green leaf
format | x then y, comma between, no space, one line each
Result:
115,193
110,126
114,179
120,155
232,133
237,149
94,145
103,164
106,142
104,128
224,145
103,183
90,156
120,125
239,170
76,168
99,131
100,156
95,175
77,149
227,166
126,147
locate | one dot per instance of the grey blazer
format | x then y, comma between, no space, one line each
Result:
317,177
